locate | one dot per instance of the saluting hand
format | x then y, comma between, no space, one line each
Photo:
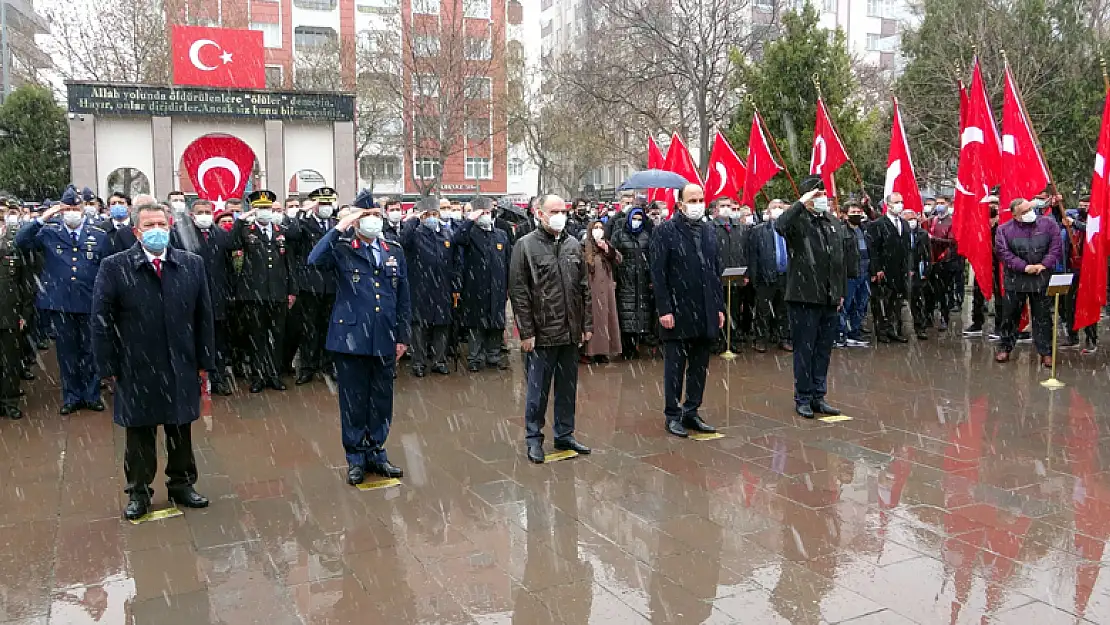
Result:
474,215
50,212
348,221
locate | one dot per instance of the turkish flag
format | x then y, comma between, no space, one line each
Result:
761,163
219,167
725,177
900,175
1023,170
680,162
1091,296
655,160
978,171
828,151
218,57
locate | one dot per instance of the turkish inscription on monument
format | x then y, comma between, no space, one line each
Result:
109,99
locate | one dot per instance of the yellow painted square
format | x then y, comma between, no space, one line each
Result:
385,482
556,456
158,515
834,418
706,436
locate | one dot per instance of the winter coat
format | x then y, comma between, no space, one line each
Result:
890,251
310,278
1019,244
606,340
823,255
686,273
762,263
482,276
431,267
635,299
153,334
215,249
550,289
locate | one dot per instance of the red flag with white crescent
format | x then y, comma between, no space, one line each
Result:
761,163
1091,296
655,160
680,162
828,150
219,167
1024,173
726,173
900,174
218,57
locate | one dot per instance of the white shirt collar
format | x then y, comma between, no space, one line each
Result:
150,257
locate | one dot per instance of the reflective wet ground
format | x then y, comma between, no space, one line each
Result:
961,492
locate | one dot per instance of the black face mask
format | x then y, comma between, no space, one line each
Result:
855,220
994,212
581,212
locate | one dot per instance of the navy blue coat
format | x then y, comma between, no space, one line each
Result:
311,279
68,271
482,282
215,249
762,263
687,283
122,238
372,309
154,335
431,260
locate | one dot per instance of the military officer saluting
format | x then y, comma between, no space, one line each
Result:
15,310
71,252
369,332
317,286
266,287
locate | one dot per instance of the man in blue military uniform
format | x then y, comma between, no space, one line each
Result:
317,295
71,254
368,333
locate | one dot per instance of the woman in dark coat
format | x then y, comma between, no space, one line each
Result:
635,301
601,259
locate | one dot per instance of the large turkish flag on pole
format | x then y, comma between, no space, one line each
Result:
1091,296
655,160
218,57
680,162
1023,170
726,174
761,163
828,150
219,167
900,175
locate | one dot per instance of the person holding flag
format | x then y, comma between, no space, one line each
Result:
1091,295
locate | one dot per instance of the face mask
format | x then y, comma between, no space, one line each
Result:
557,222
203,221
178,206
155,240
598,233
776,213
227,225
913,224
941,210
637,224
265,216
695,211
292,212
581,212
11,221
370,226
1072,213
325,211
928,210
724,212
73,217
485,222
855,220
454,215
749,220
1038,203
821,204
394,216
1029,217
895,208
655,219
994,211
431,223
91,211
118,212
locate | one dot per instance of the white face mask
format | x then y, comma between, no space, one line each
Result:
370,226
454,215
484,221
178,206
11,221
821,204
695,211
203,221
394,216
1029,216
895,208
749,220
325,211
913,224
598,233
73,217
265,215
292,212
724,212
775,213
557,222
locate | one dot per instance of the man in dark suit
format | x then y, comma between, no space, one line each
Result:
431,263
686,272
889,239
201,236
768,264
920,268
317,287
118,224
153,334
482,256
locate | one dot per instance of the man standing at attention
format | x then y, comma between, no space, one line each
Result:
550,290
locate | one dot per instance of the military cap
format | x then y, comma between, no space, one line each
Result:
364,200
13,203
87,195
812,183
262,199
69,196
324,195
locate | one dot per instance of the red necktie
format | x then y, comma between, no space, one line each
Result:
157,262
205,233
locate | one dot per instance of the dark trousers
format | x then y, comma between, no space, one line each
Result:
685,362
27,339
855,307
543,365
11,364
734,319
746,319
140,458
265,323
223,353
315,318
918,309
979,302
1009,315
944,281
770,316
238,337
75,359
484,346
888,307
814,327
365,405
291,335
429,343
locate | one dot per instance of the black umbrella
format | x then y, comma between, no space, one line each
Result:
654,179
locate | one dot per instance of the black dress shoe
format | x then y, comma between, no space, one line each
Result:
570,444
137,507
304,378
761,348
69,408
188,497
441,369
95,406
15,414
823,407
42,346
898,338
222,388
256,387
695,423
26,374
921,336
884,339
502,365
355,475
675,427
804,410
474,367
385,469
535,454
277,384
418,373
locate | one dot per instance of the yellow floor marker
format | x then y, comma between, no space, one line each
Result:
556,456
385,482
834,418
158,515
706,436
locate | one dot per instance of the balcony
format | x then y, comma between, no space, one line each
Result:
515,13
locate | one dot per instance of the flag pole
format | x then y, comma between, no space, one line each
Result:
855,170
1032,129
775,147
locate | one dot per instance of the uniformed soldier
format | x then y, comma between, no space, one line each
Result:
91,205
429,254
71,253
15,309
12,222
266,286
482,258
317,296
369,331
238,335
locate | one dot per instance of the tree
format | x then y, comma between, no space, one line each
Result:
1053,49
138,51
34,144
781,85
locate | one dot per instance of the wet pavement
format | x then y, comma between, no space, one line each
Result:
961,492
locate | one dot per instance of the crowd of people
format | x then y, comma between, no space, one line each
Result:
263,291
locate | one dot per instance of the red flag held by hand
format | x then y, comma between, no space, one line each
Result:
828,150
726,173
680,162
761,163
1023,170
655,160
1091,296
218,57
900,175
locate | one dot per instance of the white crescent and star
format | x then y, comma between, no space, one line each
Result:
218,162
200,44
723,173
819,143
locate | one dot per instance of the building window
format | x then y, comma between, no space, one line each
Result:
830,6
428,7
379,7
425,45
873,40
315,5
425,85
312,37
271,33
477,129
425,168
479,168
764,5
874,8
275,78
379,167
545,29
478,87
477,49
516,167
378,42
425,128
479,9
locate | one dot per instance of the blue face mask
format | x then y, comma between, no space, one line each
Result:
431,222
155,240
118,212
1072,213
